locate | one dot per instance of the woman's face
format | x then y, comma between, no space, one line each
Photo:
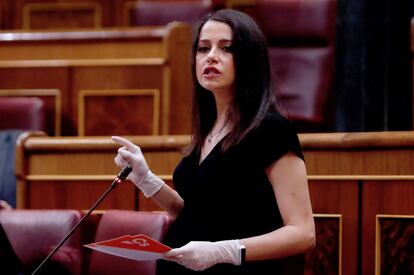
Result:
214,59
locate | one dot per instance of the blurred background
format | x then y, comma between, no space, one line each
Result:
75,72
365,84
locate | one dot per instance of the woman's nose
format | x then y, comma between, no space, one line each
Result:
212,56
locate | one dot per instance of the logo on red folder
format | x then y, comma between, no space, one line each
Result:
139,242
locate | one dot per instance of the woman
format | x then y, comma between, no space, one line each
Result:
242,200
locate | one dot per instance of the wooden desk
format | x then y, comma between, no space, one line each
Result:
360,176
353,177
72,167
149,58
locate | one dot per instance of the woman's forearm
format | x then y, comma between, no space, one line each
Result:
285,241
169,200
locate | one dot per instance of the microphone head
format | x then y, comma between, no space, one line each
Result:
124,173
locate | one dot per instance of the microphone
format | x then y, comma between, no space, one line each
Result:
124,173
121,177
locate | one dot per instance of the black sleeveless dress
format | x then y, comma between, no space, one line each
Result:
228,195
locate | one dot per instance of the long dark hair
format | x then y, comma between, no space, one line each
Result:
254,96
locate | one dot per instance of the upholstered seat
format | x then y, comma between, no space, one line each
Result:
162,12
24,113
28,236
301,40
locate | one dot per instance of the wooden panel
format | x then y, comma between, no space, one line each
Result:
6,14
77,49
60,15
118,14
119,112
364,162
372,153
394,244
126,14
72,78
339,197
326,257
67,194
124,77
378,198
148,42
181,83
138,58
63,167
53,102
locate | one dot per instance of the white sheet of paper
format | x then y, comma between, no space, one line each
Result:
127,253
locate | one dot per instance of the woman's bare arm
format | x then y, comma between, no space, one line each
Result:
289,181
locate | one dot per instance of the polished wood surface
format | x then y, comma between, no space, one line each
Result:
340,198
352,175
85,44
105,60
121,112
369,153
379,197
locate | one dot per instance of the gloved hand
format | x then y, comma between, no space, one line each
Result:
140,175
202,255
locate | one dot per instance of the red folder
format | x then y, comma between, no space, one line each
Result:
138,247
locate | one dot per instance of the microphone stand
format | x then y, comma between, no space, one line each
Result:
121,177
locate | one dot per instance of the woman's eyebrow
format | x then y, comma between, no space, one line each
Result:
220,41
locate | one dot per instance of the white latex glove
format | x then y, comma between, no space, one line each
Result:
141,175
202,255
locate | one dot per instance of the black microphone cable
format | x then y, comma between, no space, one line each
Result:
121,177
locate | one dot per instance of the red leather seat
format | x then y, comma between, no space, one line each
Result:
301,38
24,113
162,12
33,234
116,223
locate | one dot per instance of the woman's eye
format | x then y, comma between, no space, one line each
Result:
203,49
228,49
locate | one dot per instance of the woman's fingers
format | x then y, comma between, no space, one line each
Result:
121,162
173,253
173,256
126,143
126,154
